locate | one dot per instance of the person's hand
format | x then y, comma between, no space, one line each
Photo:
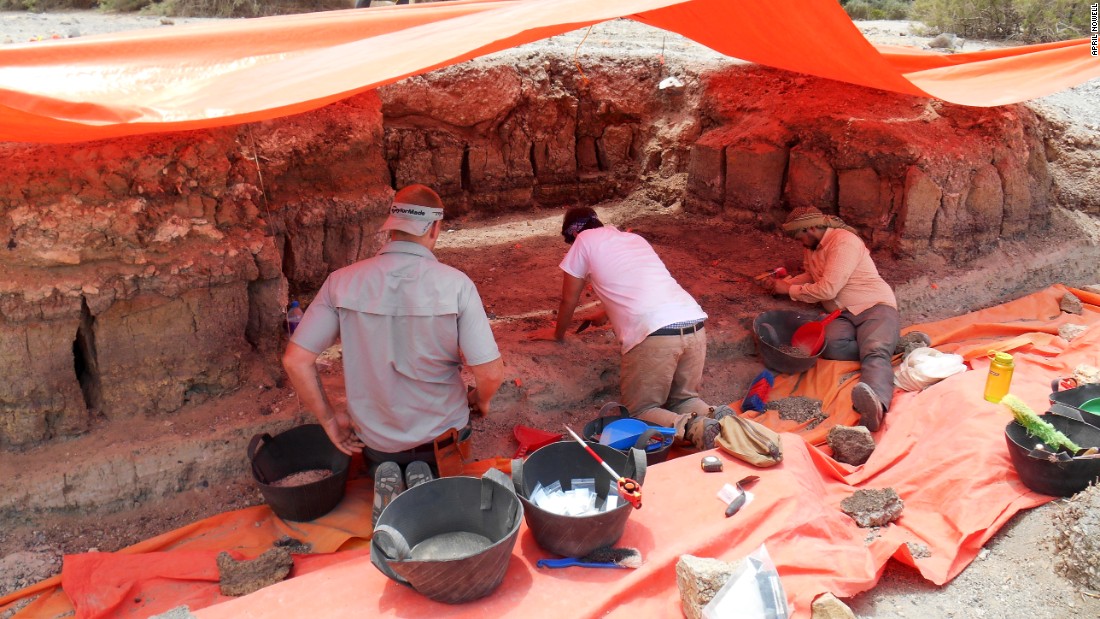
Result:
781,287
545,334
341,430
473,399
768,284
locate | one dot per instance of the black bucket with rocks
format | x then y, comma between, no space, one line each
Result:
561,464
450,539
772,331
301,474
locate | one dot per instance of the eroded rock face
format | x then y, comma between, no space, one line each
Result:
914,176
145,273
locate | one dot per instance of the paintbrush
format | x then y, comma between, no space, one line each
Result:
605,556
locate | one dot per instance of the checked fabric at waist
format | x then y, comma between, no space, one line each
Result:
679,328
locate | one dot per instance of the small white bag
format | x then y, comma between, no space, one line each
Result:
925,367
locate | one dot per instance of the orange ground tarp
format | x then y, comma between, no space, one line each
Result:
942,449
237,71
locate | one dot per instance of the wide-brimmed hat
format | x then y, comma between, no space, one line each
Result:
414,219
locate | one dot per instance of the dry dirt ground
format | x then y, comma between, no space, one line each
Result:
513,259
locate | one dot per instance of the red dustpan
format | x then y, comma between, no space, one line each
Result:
531,439
810,337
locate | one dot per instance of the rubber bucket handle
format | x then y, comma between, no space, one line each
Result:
253,449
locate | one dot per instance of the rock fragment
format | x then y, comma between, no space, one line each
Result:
1071,304
699,580
827,606
1077,538
244,577
873,507
1070,331
851,445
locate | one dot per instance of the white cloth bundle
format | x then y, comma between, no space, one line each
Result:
925,367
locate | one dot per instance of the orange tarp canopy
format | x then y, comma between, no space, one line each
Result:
942,449
237,71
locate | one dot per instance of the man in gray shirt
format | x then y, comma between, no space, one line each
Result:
408,324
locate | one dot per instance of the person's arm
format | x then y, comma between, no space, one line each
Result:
488,377
300,364
571,289
840,263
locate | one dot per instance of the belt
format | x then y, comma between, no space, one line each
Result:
679,330
429,447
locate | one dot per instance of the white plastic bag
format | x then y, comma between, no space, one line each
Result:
753,591
925,367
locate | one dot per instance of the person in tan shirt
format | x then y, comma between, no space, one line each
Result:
840,274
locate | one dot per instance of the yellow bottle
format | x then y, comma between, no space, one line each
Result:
1000,376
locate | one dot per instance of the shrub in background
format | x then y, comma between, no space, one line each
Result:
47,5
183,8
877,9
1024,20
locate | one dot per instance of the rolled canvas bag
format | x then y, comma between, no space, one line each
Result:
750,441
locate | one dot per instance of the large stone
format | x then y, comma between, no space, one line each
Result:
851,445
873,507
699,579
1070,304
241,577
827,606
1077,538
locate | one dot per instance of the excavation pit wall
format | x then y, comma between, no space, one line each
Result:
149,275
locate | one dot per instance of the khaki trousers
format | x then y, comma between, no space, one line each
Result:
659,379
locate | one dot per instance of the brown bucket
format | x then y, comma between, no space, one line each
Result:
450,539
575,536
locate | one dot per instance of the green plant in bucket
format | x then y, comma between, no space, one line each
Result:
1037,427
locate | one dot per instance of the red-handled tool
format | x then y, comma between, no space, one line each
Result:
776,272
629,489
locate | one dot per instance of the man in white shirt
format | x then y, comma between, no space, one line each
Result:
658,324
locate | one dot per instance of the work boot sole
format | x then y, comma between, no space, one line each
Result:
417,473
388,483
702,432
867,404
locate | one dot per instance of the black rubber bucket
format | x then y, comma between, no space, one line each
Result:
303,448
1060,474
575,536
656,451
773,329
1075,397
450,539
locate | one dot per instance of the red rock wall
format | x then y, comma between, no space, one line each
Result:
915,176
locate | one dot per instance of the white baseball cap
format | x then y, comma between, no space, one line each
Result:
412,218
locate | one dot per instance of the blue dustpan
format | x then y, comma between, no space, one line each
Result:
624,433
